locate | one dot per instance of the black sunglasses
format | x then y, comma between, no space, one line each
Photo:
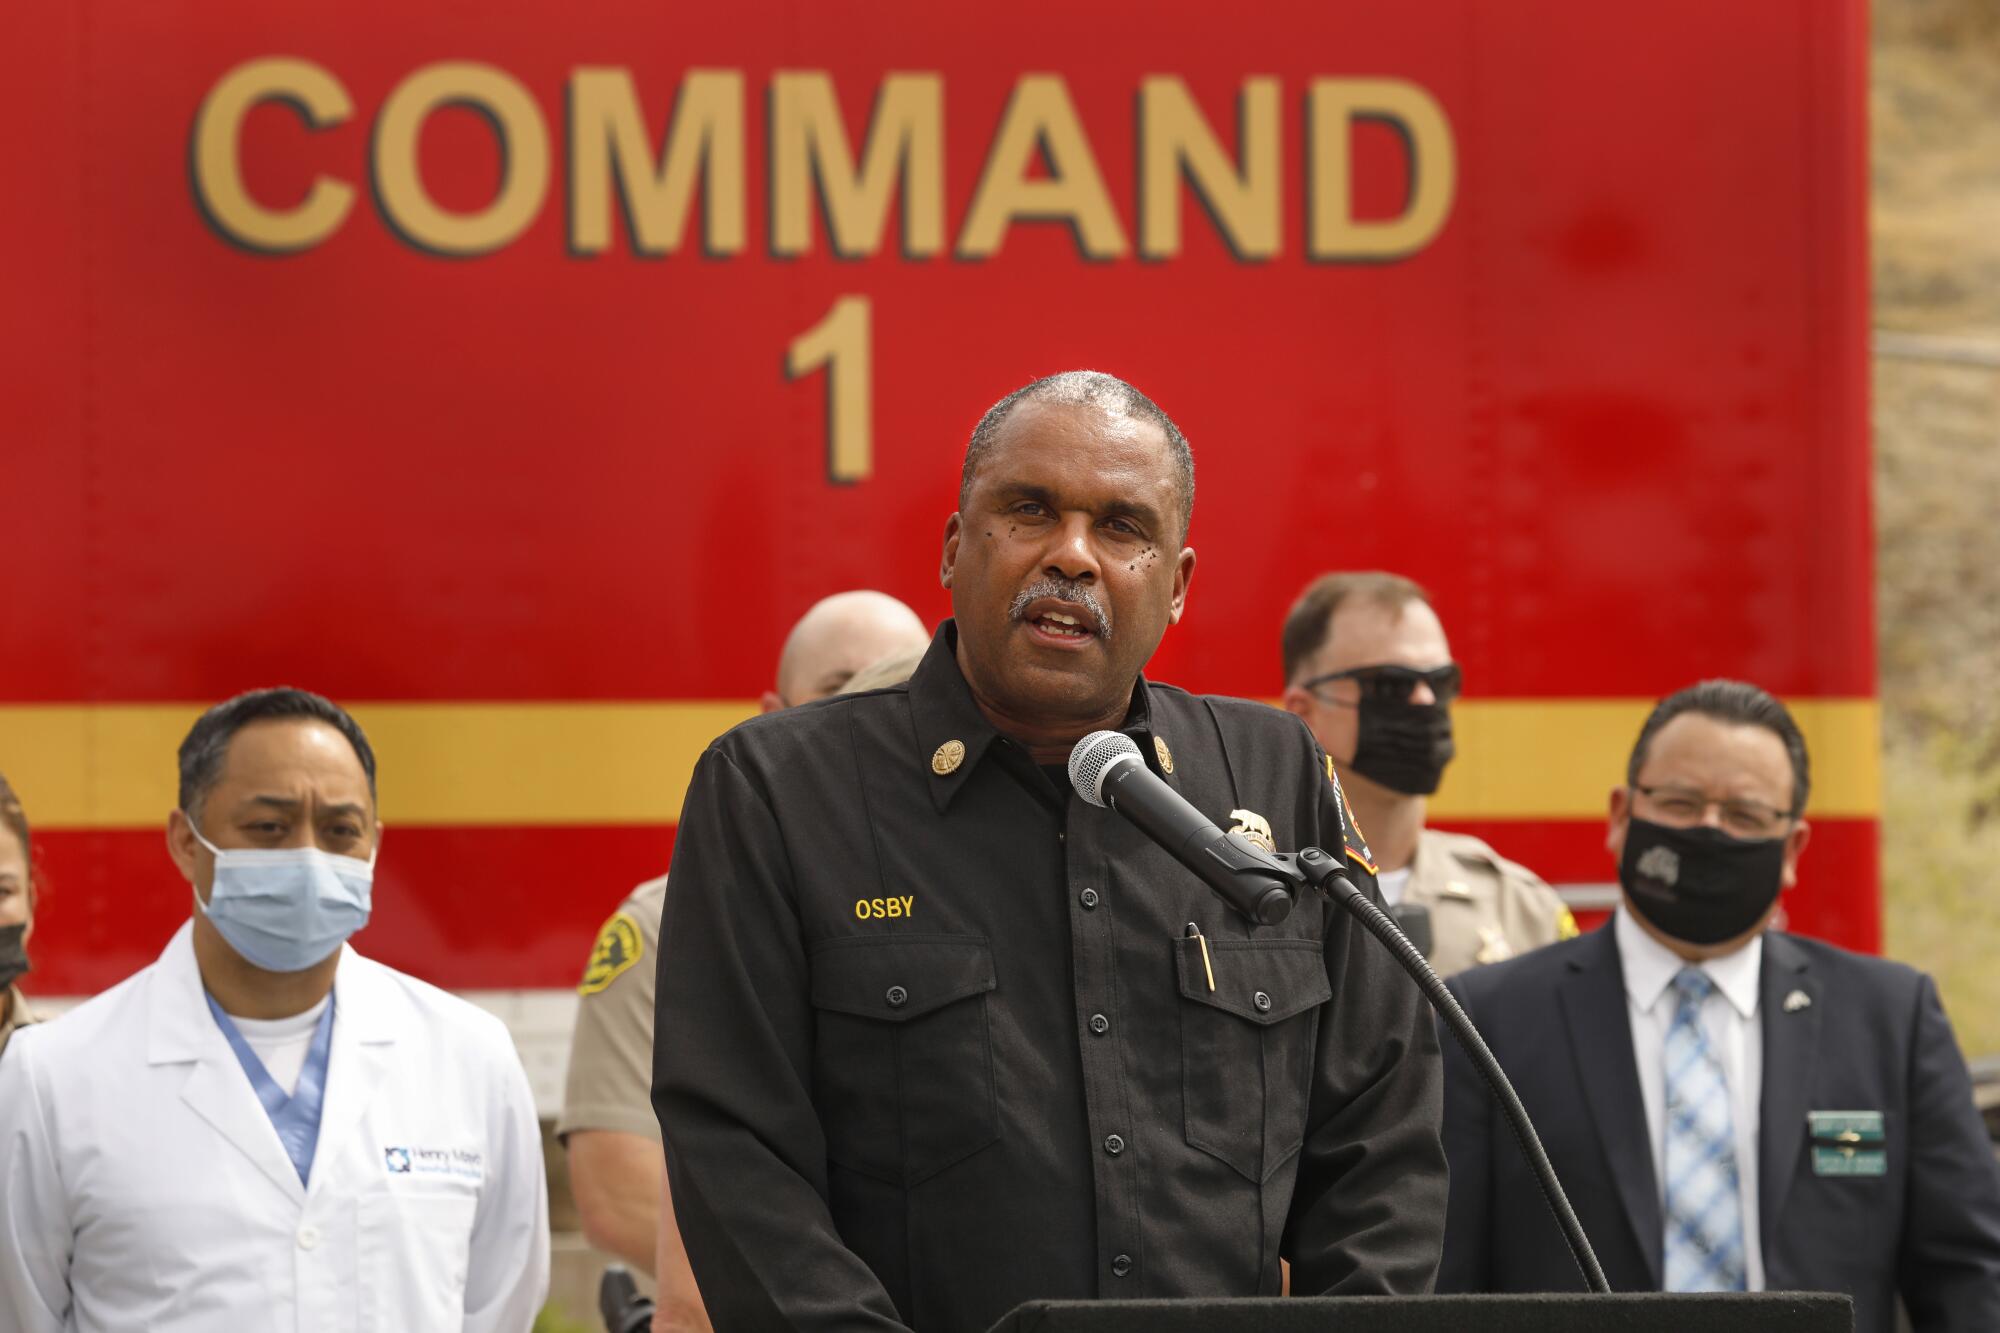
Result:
1389,684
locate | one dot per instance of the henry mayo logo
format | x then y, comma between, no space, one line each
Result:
464,1163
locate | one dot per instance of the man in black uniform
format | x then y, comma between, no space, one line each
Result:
936,1037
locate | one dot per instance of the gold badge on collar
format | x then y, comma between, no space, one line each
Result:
948,757
1254,829
1163,754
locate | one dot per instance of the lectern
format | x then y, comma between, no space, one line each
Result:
1583,1312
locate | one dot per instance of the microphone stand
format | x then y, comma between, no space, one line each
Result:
1313,867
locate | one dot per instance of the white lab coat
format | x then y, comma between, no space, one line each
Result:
143,1188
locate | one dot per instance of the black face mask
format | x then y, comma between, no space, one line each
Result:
1403,746
1699,884
13,953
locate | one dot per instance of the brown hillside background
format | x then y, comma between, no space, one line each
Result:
1935,162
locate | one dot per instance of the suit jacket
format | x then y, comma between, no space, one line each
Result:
1842,1032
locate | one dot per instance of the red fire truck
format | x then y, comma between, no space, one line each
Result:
517,376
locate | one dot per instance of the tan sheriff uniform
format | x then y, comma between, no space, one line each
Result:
1483,907
19,1015
610,1082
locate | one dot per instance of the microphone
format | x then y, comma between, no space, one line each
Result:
1107,772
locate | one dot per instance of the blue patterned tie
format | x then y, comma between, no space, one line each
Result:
1704,1232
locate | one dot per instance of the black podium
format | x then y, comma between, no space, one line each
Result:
1763,1312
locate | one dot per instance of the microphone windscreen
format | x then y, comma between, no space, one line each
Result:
1092,759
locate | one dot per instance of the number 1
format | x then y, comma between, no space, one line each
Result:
841,343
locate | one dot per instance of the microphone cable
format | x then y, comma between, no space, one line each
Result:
1338,888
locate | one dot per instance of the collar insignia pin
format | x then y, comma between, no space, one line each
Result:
948,757
1163,754
1796,1001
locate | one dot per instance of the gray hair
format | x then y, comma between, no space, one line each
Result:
1084,388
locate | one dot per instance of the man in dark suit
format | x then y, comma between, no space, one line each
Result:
1729,1108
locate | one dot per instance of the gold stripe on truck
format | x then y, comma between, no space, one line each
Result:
111,766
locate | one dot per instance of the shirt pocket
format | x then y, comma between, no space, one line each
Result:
903,1069
1247,1047
415,1248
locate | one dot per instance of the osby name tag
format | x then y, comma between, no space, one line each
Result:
1848,1143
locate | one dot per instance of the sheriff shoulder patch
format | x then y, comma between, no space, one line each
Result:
618,947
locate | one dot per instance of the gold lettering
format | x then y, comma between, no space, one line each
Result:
609,148
861,908
908,903
808,141
841,343
1041,116
321,102
524,151
1174,138
1332,107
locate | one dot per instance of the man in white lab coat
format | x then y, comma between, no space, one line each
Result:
264,1130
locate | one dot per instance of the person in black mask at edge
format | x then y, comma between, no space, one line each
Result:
1368,668
936,1037
1729,1107
17,912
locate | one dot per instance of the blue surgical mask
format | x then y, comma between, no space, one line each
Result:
286,908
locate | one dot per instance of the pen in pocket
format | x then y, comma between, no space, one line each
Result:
1193,932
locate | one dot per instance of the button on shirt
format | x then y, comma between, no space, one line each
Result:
1729,1016
933,1041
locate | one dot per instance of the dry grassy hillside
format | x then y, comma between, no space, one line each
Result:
1935,104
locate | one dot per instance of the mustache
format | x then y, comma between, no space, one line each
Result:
1062,590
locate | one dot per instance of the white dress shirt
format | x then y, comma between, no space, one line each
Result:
1393,884
1729,1016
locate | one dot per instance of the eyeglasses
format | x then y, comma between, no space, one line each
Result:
1745,819
1391,684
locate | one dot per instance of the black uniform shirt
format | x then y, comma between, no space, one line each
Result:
932,1040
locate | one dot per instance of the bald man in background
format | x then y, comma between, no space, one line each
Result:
616,1166
839,636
